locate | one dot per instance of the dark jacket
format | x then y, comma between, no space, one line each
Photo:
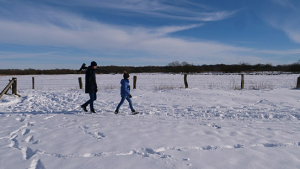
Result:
125,87
90,81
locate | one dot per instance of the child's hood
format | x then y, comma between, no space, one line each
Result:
124,81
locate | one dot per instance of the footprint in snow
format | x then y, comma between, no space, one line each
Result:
36,142
272,145
14,143
37,164
20,119
84,127
209,148
29,139
29,124
216,126
96,135
100,135
25,131
27,153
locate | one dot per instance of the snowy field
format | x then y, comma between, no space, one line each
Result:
210,125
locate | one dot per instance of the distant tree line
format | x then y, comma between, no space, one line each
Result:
36,71
174,67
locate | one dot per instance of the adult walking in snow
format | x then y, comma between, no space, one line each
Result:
90,86
125,93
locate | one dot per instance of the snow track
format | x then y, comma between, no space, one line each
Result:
185,131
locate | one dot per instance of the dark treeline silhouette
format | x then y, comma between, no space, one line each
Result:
36,71
174,67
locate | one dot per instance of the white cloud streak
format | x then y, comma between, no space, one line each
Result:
97,36
91,35
176,9
284,15
45,26
278,52
284,3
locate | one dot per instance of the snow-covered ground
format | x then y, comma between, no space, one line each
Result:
209,125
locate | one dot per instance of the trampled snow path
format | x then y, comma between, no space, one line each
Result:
180,128
89,140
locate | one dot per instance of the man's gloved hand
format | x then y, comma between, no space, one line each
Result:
130,96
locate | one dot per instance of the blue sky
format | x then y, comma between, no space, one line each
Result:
49,34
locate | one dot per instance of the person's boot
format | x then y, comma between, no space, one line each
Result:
116,111
84,108
93,111
135,112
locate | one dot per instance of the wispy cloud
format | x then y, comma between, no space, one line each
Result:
164,30
41,25
81,33
67,30
96,37
53,27
293,35
284,15
177,9
284,3
281,52
16,55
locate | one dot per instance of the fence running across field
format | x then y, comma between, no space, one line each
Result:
156,81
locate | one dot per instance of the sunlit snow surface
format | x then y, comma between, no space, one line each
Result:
208,125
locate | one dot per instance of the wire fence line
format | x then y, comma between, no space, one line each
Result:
224,82
155,81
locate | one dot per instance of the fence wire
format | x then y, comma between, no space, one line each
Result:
155,81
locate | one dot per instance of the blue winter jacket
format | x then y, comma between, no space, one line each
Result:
125,87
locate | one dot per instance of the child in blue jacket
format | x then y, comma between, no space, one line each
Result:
125,93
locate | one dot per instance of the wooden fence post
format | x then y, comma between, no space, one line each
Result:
14,86
243,81
185,81
32,82
80,82
298,83
4,91
134,82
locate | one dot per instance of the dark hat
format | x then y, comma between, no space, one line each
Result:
125,75
93,63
